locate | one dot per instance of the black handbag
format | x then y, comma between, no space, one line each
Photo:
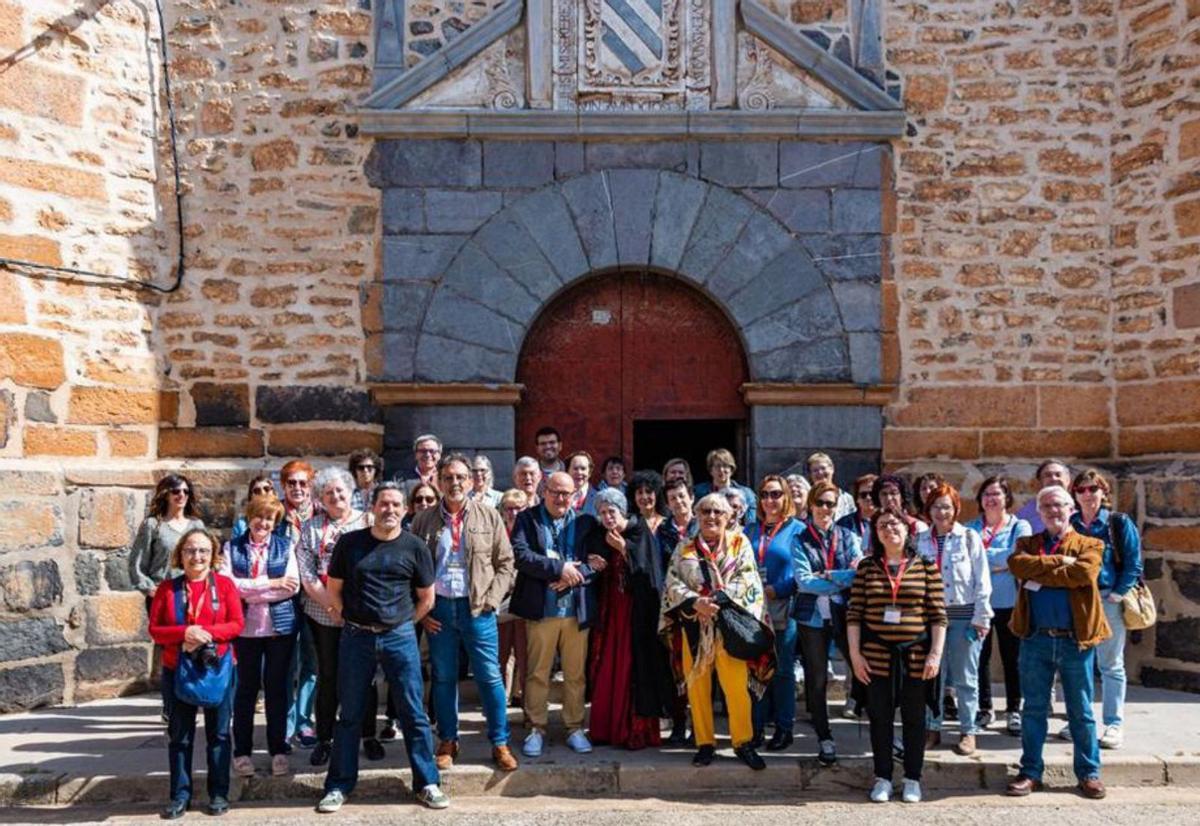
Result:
744,637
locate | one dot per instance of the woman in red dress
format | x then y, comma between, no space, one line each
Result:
629,670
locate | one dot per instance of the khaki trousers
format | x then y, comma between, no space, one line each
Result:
545,638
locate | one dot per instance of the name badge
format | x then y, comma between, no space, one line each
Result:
823,608
891,615
1030,585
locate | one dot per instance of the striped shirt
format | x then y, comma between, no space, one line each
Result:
920,600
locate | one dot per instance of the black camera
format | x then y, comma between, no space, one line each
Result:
206,656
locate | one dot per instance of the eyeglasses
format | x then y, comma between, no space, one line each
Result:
825,503
296,483
559,493
261,490
427,451
712,512
1087,488
864,494
771,494
190,551
889,525
364,467
455,477
479,471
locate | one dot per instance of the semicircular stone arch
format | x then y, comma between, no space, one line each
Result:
799,320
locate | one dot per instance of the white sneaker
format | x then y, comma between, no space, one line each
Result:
279,765
243,767
1013,725
579,742
1113,738
331,802
534,744
881,792
1064,733
433,798
850,710
798,673
912,791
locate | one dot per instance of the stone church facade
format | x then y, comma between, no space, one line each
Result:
929,237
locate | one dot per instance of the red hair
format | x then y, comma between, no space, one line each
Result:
937,493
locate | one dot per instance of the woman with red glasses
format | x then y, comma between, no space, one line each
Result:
824,574
775,540
1120,570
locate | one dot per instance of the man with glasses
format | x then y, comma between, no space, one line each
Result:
553,594
473,564
1060,620
527,477
427,451
367,469
381,581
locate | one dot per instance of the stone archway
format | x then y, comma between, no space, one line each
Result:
797,320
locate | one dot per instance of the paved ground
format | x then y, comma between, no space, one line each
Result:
1123,807
114,750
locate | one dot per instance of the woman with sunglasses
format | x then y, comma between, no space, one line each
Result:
1120,570
366,466
776,544
896,627
999,530
825,569
422,497
190,613
260,485
715,572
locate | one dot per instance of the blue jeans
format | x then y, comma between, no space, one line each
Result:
960,669
778,702
304,677
481,638
358,652
1110,657
1042,656
181,734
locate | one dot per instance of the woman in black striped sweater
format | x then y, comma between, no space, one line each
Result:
896,624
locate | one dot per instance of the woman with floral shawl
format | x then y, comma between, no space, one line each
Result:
715,572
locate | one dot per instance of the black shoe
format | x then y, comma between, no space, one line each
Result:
287,747
780,740
984,718
389,731
748,755
678,736
756,742
320,754
949,707
373,749
704,756
218,806
175,809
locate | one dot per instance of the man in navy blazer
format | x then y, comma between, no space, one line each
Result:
554,595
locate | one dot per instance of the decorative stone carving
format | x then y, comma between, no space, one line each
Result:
766,80
493,80
631,43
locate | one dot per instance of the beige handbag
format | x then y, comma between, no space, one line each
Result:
1137,606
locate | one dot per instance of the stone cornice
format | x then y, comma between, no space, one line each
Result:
458,393
767,393
549,125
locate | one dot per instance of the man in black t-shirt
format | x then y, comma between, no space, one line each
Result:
380,583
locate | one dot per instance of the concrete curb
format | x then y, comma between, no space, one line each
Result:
726,777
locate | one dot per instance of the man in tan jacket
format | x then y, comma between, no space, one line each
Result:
1060,619
473,561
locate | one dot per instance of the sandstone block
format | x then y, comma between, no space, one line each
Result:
30,483
904,444
36,248
59,97
32,361
1081,444
1187,218
30,523
115,618
106,518
221,404
209,442
967,406
1172,538
47,177
108,405
128,443
31,585
1171,402
59,441
12,300
1072,405
276,155
321,441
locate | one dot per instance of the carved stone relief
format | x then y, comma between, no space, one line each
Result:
495,79
767,80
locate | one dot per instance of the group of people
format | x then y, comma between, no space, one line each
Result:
640,589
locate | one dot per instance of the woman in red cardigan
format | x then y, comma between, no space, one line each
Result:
203,621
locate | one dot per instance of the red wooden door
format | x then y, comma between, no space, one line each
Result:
623,347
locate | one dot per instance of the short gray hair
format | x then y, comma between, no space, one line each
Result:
1054,490
480,457
427,437
614,498
527,462
730,491
715,500
327,476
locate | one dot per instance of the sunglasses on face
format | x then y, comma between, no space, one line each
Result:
1087,488
428,451
180,492
864,494
260,491
825,503
364,467
711,512
771,494
296,483
424,500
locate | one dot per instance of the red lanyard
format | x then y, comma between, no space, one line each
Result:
895,583
764,541
989,535
578,498
831,551
258,553
1053,548
193,611
456,527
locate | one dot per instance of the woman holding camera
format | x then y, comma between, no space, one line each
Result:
262,564
196,614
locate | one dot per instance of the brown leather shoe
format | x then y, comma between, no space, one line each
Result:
1022,786
965,745
933,738
505,760
1092,789
447,750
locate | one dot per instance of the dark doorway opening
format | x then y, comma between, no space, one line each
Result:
657,440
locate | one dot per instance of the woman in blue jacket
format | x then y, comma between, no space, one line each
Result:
775,539
824,572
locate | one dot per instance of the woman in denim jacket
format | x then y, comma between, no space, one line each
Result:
958,553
